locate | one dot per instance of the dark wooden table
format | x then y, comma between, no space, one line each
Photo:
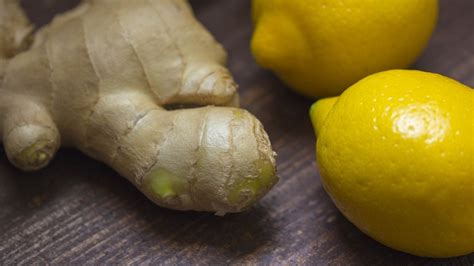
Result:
79,211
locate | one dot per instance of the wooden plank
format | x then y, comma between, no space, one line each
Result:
78,211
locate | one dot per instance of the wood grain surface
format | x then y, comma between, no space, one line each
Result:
79,211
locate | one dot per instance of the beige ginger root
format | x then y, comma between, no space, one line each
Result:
97,79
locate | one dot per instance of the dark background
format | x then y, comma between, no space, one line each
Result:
79,211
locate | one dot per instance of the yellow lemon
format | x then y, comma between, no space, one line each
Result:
321,47
396,155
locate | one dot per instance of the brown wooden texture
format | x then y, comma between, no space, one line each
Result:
79,211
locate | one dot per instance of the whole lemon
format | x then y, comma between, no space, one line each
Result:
321,47
396,155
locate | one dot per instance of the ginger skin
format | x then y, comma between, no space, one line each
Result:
97,79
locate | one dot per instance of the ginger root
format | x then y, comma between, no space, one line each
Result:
99,77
